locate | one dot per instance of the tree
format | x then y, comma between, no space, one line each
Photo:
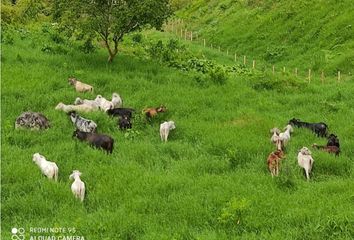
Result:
112,19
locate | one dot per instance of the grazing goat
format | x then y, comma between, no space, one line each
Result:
274,161
32,120
93,103
121,112
78,186
320,129
117,100
305,161
96,140
76,108
124,123
49,169
330,149
165,128
333,140
275,138
83,124
103,103
152,112
285,136
79,86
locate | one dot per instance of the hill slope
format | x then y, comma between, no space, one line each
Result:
294,33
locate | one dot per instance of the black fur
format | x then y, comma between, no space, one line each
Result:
96,140
320,129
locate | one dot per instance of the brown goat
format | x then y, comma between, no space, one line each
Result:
273,162
152,112
330,149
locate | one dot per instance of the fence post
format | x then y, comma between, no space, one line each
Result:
254,64
309,75
322,77
204,42
181,33
283,69
273,69
191,36
244,60
338,76
235,57
295,72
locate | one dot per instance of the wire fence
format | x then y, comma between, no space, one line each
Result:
178,28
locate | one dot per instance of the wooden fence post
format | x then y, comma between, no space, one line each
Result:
309,75
254,64
283,69
295,72
322,77
204,42
244,60
235,57
338,76
191,36
273,69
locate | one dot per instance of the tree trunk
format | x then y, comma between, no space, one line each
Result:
112,53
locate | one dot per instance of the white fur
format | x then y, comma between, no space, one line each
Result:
275,138
165,128
285,136
104,103
93,103
117,100
305,161
78,186
49,169
76,108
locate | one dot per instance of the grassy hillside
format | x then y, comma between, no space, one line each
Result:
209,181
295,33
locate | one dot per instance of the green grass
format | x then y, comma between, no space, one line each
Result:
180,189
295,33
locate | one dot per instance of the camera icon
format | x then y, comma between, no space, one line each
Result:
18,233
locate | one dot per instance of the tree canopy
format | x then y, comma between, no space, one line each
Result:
112,19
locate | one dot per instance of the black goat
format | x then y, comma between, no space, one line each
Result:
333,140
121,112
124,123
320,129
96,140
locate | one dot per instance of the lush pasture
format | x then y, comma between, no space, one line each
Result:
209,181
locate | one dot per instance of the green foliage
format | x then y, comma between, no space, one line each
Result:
234,212
112,20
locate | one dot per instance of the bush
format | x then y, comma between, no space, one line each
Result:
137,38
218,75
234,213
87,46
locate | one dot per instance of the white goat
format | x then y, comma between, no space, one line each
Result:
76,108
80,86
78,186
49,169
275,138
117,100
93,103
305,161
165,128
285,136
104,103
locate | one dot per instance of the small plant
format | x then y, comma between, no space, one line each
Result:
218,75
137,38
131,134
234,213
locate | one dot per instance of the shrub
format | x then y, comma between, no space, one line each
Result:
87,46
218,75
137,38
234,213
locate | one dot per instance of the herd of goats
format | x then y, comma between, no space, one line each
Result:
86,130
305,160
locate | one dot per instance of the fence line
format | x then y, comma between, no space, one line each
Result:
188,36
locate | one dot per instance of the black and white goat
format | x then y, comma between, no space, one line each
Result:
83,124
320,129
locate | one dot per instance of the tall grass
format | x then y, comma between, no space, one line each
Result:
209,181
